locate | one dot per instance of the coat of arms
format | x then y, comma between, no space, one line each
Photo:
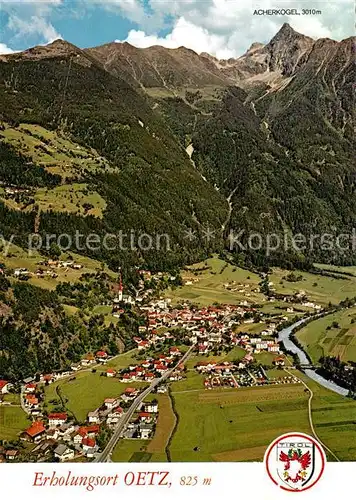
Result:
295,461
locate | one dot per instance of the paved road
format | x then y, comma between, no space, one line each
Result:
105,455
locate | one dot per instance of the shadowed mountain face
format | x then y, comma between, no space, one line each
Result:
271,131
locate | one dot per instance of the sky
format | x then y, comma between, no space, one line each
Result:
224,28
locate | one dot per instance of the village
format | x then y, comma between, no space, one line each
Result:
211,330
57,436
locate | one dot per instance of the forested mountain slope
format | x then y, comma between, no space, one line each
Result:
146,179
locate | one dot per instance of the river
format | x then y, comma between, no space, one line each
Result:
284,336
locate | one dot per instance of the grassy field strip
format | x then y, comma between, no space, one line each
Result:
131,450
243,455
332,335
165,425
13,420
311,416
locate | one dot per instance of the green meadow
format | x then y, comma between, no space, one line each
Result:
209,286
84,392
13,420
334,419
238,425
333,335
319,289
235,424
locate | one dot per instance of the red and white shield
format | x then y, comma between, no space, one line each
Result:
295,462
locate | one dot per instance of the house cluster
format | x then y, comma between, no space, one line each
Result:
90,359
152,368
110,411
59,436
11,190
143,423
160,314
301,298
255,344
207,326
239,374
61,264
32,398
246,288
23,273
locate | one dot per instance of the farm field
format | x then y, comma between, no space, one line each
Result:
334,420
74,198
122,360
13,420
251,328
333,335
278,307
131,450
10,397
86,392
238,425
55,151
194,381
164,428
208,284
16,257
319,289
230,424
338,269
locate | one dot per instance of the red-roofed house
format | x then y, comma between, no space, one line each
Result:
114,416
161,368
202,348
31,400
92,430
55,419
35,432
144,416
4,386
131,392
149,376
279,361
88,444
48,378
110,372
101,355
110,403
30,388
144,344
126,378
